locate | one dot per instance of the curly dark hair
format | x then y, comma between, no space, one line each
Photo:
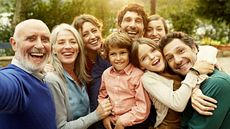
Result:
186,39
132,7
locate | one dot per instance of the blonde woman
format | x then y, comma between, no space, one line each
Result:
68,81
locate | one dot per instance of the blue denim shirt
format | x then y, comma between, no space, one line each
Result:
78,97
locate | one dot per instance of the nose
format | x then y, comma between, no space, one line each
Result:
39,44
92,36
154,32
132,23
151,56
118,57
67,45
177,59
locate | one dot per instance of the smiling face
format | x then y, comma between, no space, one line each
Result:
150,58
179,56
91,36
119,58
66,47
155,30
31,43
132,24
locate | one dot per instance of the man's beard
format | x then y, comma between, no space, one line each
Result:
30,65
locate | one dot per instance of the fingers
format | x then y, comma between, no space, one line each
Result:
208,101
107,123
205,101
202,112
106,105
203,104
104,108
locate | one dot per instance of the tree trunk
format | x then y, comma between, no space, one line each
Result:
153,6
20,11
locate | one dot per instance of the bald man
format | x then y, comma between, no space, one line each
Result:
25,100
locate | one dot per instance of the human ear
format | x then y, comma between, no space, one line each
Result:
13,44
194,49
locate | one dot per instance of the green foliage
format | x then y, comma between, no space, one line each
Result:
183,22
217,10
180,13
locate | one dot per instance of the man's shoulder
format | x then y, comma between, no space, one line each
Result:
220,74
11,69
218,77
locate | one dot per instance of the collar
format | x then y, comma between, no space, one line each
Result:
127,70
39,75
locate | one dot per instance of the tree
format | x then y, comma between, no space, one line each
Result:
216,10
20,11
153,4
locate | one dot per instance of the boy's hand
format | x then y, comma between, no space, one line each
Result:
119,125
107,123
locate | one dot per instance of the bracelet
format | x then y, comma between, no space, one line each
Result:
195,71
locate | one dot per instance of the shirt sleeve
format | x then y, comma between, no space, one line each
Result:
163,92
102,92
13,97
59,93
207,53
140,112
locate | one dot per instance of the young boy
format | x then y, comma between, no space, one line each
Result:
121,84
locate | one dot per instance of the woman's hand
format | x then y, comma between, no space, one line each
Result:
203,104
104,108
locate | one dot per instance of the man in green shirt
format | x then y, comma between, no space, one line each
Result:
180,52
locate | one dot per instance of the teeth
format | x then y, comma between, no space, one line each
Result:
155,62
93,42
131,32
67,53
156,39
37,54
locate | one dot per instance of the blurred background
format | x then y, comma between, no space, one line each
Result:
208,21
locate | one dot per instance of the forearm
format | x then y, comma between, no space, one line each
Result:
163,92
139,112
82,122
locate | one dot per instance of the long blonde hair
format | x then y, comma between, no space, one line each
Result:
80,62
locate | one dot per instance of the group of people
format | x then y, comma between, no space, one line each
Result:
140,77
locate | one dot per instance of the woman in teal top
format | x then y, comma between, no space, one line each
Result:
67,81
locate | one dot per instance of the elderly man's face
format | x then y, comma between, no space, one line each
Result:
32,45
133,25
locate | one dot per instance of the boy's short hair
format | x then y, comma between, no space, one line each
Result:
117,40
